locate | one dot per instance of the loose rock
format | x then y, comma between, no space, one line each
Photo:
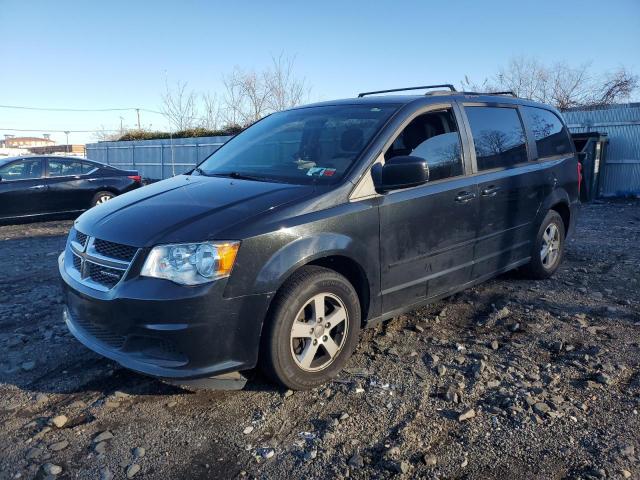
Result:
59,421
467,415
430,460
101,437
356,461
56,447
105,474
51,469
132,470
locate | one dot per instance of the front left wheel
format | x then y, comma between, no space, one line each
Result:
312,330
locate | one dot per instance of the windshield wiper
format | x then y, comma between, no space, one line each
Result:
239,176
199,171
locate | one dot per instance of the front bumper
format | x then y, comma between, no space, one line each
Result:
159,328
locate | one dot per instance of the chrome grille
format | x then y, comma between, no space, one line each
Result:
98,263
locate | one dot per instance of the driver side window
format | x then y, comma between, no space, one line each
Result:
434,137
22,170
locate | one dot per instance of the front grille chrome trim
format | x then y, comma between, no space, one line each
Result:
87,255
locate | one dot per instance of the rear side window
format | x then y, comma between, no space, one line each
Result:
64,168
549,132
87,167
498,136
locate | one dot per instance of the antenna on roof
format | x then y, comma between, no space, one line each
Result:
444,85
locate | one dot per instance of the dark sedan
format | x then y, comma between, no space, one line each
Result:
39,186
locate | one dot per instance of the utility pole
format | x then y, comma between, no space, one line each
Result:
66,147
138,113
121,131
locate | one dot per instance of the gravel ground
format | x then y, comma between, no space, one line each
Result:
512,379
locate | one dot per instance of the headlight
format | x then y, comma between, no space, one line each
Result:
191,263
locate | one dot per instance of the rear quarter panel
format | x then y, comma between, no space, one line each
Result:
563,189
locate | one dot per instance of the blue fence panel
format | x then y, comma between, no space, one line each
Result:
156,159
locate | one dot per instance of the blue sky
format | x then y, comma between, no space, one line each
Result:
110,54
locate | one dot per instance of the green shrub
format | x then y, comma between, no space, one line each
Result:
190,133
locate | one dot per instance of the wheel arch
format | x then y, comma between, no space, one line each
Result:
107,188
558,200
565,212
352,271
336,252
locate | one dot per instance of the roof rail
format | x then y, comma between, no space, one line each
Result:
444,85
506,92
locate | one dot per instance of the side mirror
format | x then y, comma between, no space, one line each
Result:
401,172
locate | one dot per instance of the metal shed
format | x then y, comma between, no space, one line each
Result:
620,173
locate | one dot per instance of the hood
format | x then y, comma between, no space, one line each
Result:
184,209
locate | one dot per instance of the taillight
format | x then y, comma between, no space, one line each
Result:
579,177
135,178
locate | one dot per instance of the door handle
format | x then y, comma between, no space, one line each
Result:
464,197
36,187
490,191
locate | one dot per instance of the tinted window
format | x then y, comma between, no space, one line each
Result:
22,170
498,136
63,168
550,135
306,145
434,137
87,167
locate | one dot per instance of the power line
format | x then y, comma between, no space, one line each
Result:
53,109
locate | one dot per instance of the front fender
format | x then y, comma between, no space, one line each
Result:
305,250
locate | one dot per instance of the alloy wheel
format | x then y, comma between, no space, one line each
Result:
550,251
103,198
319,332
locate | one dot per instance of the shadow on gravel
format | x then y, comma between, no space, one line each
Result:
94,374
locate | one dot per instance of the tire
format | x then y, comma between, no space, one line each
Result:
541,267
297,362
102,197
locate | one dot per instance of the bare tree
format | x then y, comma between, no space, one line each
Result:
246,97
285,89
104,135
250,95
622,84
179,106
561,84
212,111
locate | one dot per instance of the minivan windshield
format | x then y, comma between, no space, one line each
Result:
305,145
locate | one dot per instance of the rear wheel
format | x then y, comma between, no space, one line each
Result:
548,248
312,330
102,197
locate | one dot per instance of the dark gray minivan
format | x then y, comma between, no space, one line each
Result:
315,222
